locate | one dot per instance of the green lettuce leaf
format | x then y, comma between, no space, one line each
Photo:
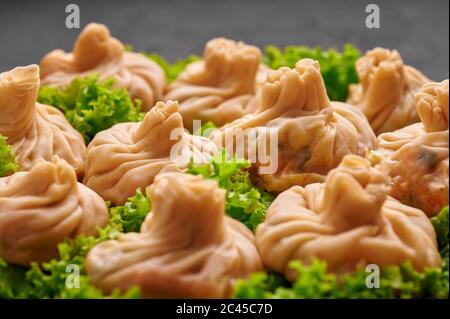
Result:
172,70
92,105
244,201
131,215
8,162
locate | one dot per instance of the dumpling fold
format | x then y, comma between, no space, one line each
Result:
129,155
36,131
187,247
42,207
221,87
296,135
386,88
417,155
348,221
96,51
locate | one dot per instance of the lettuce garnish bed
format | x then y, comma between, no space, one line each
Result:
92,105
8,163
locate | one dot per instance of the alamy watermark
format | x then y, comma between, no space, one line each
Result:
373,18
73,17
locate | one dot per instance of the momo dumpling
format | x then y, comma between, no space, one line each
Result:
418,154
129,155
35,131
296,135
43,206
187,247
385,90
221,87
96,51
348,221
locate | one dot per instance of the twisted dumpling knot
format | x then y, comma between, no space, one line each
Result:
306,134
385,90
134,153
96,51
354,184
221,87
432,105
34,130
349,221
299,89
42,207
187,247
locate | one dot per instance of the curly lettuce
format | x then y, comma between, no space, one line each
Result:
92,105
244,201
337,68
8,163
172,70
130,216
315,282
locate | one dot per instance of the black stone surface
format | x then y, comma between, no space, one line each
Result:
174,28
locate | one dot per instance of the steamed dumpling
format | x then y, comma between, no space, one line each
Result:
129,155
312,134
386,89
221,87
42,207
187,247
348,221
34,130
96,51
418,154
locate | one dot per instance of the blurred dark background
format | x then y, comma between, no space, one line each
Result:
175,28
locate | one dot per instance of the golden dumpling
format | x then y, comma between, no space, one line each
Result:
34,130
129,155
386,89
221,87
311,135
348,221
417,155
96,51
42,207
187,247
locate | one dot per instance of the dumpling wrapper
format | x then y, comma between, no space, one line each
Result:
96,51
312,134
42,207
385,90
36,131
187,247
418,154
221,87
129,155
348,221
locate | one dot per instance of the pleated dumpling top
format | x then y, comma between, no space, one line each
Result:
129,155
42,207
308,134
418,154
96,51
187,247
221,87
385,92
36,131
348,221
